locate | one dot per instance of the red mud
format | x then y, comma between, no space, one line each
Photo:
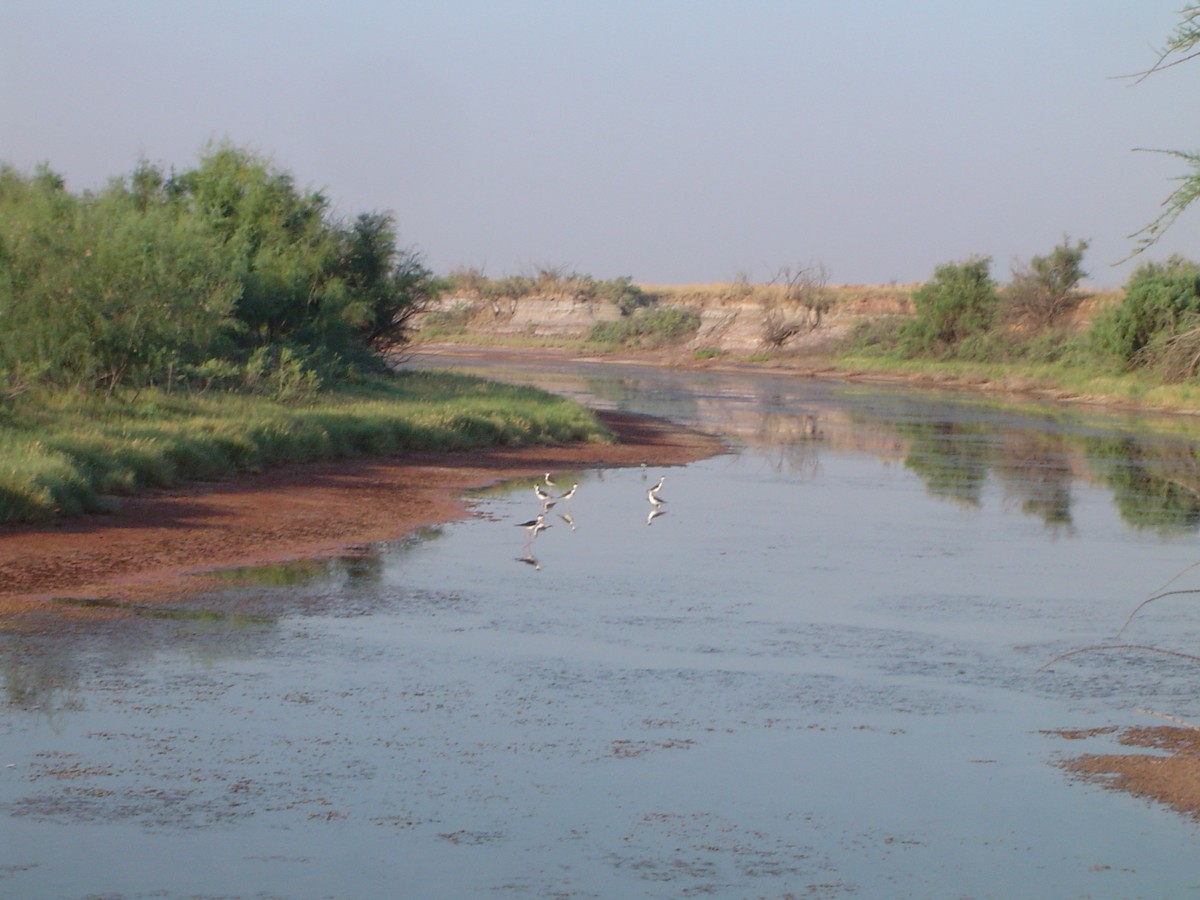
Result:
161,545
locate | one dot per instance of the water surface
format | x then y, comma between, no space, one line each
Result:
814,673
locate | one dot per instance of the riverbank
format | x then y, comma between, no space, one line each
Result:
166,545
1019,384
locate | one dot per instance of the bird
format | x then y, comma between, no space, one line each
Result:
547,500
535,525
652,494
569,494
549,480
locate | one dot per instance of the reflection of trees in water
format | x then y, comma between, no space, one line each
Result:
950,457
1035,470
44,673
46,680
790,441
1155,485
1155,481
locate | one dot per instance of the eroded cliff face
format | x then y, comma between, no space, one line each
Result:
730,320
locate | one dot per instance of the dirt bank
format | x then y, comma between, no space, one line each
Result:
159,546
1169,775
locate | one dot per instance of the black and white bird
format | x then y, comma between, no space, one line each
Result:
546,499
652,494
534,526
549,480
569,494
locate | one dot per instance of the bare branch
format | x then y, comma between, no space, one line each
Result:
1099,648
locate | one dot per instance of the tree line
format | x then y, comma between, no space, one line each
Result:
226,273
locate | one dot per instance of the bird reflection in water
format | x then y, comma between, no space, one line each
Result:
656,502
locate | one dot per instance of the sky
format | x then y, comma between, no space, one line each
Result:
671,141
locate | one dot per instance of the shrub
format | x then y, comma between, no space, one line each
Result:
648,328
1044,292
877,337
960,302
448,321
624,293
1159,299
794,302
155,274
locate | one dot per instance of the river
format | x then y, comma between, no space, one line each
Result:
828,663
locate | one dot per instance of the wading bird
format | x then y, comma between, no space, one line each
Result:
533,526
569,494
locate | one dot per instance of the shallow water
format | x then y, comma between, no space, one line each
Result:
815,673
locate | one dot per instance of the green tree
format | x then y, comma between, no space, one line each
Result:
959,303
101,290
1161,300
222,266
1046,290
387,285
279,243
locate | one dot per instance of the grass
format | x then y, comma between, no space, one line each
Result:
1141,389
649,328
67,454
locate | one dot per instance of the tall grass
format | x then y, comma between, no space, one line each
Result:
70,453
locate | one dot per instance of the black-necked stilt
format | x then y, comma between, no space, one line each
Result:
652,494
533,526
549,480
541,493
569,494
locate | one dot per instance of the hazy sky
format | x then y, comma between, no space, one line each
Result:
670,141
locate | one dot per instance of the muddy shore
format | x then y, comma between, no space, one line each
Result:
164,545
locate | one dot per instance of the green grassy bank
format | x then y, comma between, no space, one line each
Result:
68,453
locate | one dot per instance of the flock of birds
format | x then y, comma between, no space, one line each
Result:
535,526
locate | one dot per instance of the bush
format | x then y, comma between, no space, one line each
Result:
1160,299
1041,294
624,293
877,337
959,303
452,321
155,274
648,328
